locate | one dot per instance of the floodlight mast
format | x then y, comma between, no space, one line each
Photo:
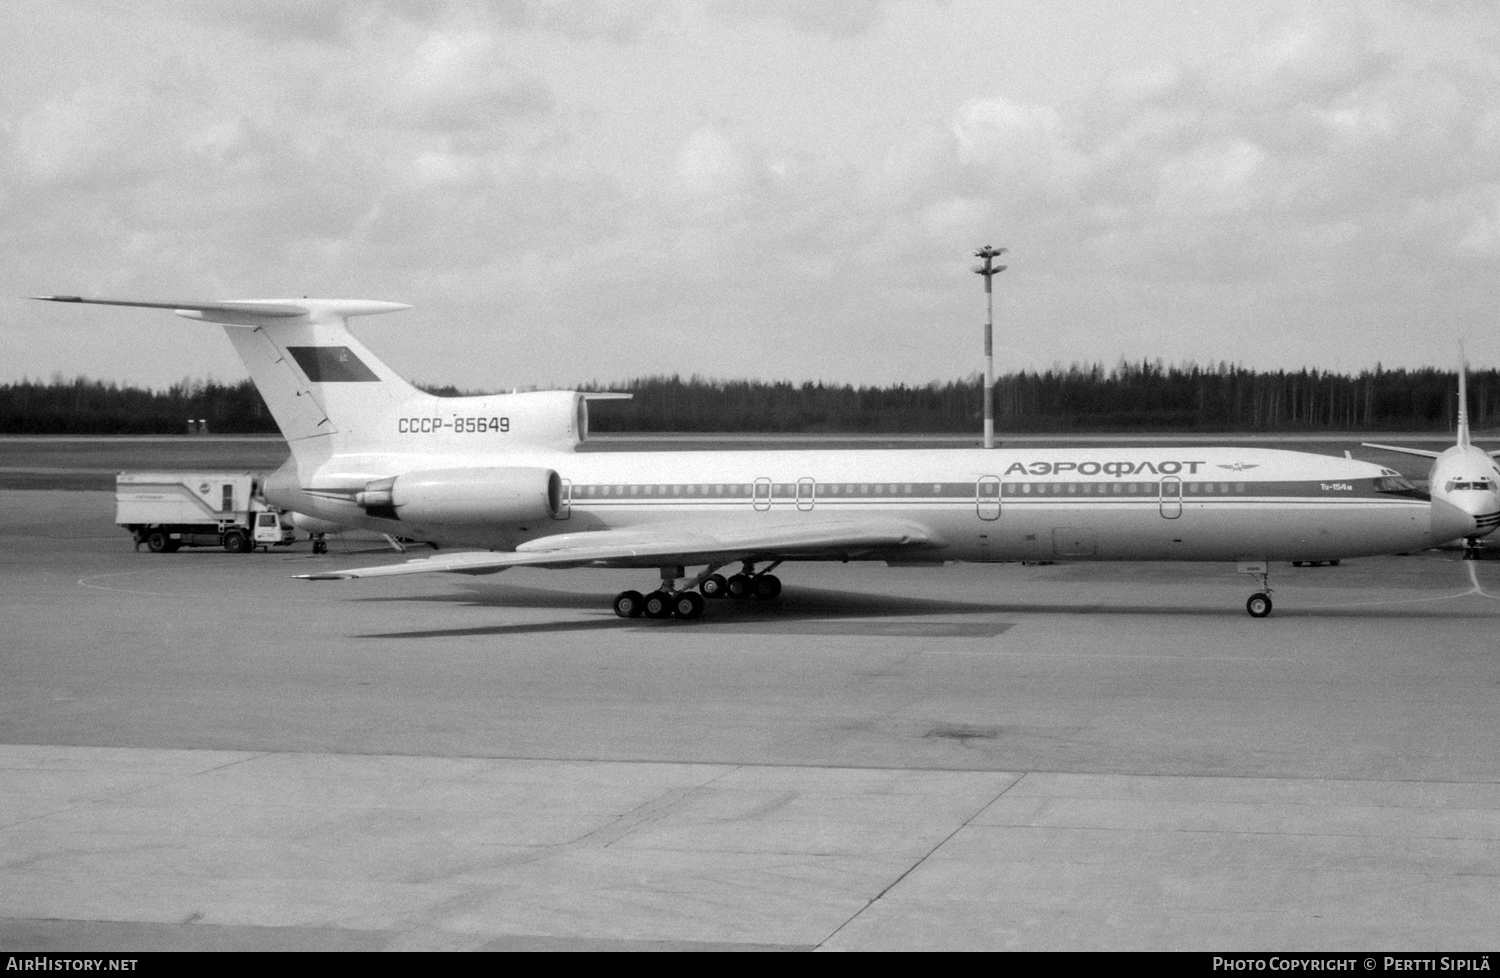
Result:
989,270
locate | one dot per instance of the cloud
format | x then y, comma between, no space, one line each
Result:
100,133
430,153
711,172
841,20
1310,60
347,23
454,81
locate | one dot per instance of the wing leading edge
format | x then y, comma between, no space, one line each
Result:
647,547
1424,453
1420,452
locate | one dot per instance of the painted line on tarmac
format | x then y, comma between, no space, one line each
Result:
1148,656
1474,576
84,582
1475,589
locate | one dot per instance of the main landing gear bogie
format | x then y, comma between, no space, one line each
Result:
686,605
669,601
741,587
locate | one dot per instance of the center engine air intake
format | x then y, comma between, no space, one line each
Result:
465,496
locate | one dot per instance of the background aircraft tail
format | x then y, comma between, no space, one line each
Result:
1463,399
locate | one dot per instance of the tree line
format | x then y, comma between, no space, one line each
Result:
1144,396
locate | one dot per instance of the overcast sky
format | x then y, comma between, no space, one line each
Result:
595,190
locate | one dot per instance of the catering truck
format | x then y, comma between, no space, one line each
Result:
168,510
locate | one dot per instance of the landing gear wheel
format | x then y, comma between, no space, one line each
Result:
158,542
658,605
688,605
739,586
714,586
235,542
1259,605
767,587
320,546
629,604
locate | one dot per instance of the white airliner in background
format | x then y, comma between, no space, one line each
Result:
1465,474
501,472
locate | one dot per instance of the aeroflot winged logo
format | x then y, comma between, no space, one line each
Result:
1117,469
1240,466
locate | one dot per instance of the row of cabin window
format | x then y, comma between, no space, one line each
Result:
747,490
1119,488
897,489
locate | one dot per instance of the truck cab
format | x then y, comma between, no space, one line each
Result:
270,531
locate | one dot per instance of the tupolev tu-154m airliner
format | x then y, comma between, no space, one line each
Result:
501,472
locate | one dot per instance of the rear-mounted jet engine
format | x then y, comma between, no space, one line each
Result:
465,496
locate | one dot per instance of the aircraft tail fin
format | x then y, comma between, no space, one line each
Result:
320,383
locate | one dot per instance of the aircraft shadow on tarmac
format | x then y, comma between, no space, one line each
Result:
815,611
797,610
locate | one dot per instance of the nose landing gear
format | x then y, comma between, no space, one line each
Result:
1475,550
1258,604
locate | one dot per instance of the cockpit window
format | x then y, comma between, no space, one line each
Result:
1395,485
1480,484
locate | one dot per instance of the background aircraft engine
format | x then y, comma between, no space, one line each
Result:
465,496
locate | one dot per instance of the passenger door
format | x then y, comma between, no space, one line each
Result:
987,497
807,491
761,499
1171,497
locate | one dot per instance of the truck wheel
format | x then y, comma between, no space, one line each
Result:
158,542
235,542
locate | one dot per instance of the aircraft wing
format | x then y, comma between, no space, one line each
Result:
650,546
1404,451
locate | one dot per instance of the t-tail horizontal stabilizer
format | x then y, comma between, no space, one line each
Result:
248,312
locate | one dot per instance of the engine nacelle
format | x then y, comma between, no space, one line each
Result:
465,496
559,419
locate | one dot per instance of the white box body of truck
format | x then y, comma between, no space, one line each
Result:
168,510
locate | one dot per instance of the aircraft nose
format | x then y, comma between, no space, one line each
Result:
1485,508
1450,523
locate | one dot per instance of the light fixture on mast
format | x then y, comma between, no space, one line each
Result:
989,270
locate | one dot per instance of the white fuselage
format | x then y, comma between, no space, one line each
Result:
1173,503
